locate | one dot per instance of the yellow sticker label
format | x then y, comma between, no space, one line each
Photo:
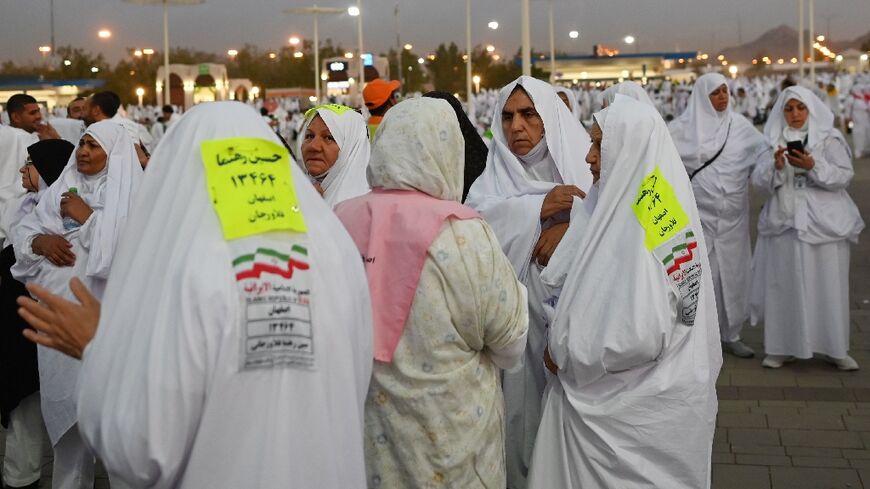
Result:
658,210
251,187
337,108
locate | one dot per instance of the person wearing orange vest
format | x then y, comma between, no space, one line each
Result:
379,96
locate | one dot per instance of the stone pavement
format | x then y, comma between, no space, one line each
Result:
804,426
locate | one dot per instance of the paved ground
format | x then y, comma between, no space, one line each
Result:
804,426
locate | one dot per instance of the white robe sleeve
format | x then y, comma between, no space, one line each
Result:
140,407
833,170
516,221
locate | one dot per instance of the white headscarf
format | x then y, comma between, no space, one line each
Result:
629,89
13,153
637,371
572,99
111,191
819,126
162,371
347,177
563,148
431,159
700,131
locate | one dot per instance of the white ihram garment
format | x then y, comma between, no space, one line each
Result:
634,403
163,399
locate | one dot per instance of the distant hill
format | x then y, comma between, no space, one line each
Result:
781,42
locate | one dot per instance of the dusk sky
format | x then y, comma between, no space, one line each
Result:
219,25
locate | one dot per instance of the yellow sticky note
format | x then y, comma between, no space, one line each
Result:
251,187
658,210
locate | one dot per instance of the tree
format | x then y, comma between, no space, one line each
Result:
413,73
447,70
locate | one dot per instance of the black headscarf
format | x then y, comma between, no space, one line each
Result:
50,156
475,148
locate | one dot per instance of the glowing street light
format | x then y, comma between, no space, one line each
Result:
273,55
94,69
104,34
140,92
353,11
574,34
408,47
733,70
298,54
629,39
294,41
137,53
490,49
496,57
348,55
44,49
476,80
147,51
493,25
232,53
67,62
421,60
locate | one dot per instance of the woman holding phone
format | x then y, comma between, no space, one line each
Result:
801,267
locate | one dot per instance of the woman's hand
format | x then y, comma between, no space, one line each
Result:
55,249
549,363
72,205
779,158
62,325
559,199
547,243
799,159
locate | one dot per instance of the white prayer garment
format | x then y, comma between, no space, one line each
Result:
229,363
68,129
801,269
572,100
509,195
635,334
13,154
435,412
110,195
347,177
629,89
721,189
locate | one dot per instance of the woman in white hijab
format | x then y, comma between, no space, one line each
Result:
220,359
634,340
334,147
569,98
534,174
801,270
629,89
73,232
720,149
444,325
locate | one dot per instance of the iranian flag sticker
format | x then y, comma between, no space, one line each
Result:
267,260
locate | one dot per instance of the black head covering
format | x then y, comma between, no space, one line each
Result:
50,156
475,148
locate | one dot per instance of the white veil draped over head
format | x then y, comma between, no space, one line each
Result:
506,195
629,89
635,333
347,177
164,364
700,131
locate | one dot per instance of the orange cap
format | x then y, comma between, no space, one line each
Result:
377,92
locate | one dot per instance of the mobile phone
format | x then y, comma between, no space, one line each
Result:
794,146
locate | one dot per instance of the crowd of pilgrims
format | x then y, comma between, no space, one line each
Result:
541,305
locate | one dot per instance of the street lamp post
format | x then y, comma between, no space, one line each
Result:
140,92
527,39
166,3
801,37
812,14
315,11
468,77
552,45
362,68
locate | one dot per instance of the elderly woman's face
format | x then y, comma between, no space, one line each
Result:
29,176
593,157
796,113
319,148
719,98
90,156
521,123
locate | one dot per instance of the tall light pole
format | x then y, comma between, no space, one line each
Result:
468,51
52,27
315,11
552,45
399,50
527,38
801,37
356,11
812,41
166,3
